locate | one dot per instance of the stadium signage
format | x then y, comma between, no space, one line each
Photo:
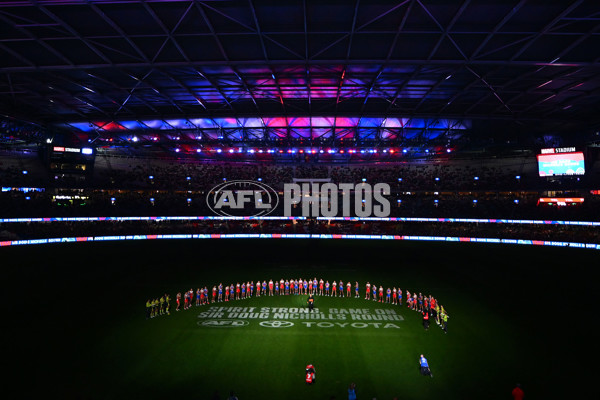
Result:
242,198
558,150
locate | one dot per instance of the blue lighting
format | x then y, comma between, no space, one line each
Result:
364,179
260,179
437,179
518,177
405,151
476,178
474,201
87,151
436,201
188,178
25,172
113,199
152,199
151,177
516,201
219,150
27,198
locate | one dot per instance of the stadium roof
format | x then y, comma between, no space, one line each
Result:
531,63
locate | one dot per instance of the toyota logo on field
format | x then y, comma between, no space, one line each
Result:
242,198
276,324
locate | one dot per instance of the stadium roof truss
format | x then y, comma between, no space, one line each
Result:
302,69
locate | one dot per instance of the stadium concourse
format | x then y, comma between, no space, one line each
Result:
156,147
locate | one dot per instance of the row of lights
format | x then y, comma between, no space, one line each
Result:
437,178
307,151
189,201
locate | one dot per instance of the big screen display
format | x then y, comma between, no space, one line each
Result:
561,164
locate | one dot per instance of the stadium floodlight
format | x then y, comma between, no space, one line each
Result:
448,150
177,150
231,150
219,150
321,151
198,150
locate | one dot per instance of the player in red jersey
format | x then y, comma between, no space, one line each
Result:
321,287
381,294
368,294
257,288
214,294
226,293
334,289
348,289
178,298
271,287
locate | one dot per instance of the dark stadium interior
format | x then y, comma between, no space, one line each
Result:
483,117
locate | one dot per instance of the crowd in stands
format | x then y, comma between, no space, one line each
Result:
475,204
554,232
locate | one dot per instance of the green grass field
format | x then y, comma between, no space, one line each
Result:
75,327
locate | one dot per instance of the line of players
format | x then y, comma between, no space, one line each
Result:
158,306
427,305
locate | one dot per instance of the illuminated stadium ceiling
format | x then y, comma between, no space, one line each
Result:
207,66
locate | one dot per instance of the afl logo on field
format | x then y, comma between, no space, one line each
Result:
223,323
242,199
